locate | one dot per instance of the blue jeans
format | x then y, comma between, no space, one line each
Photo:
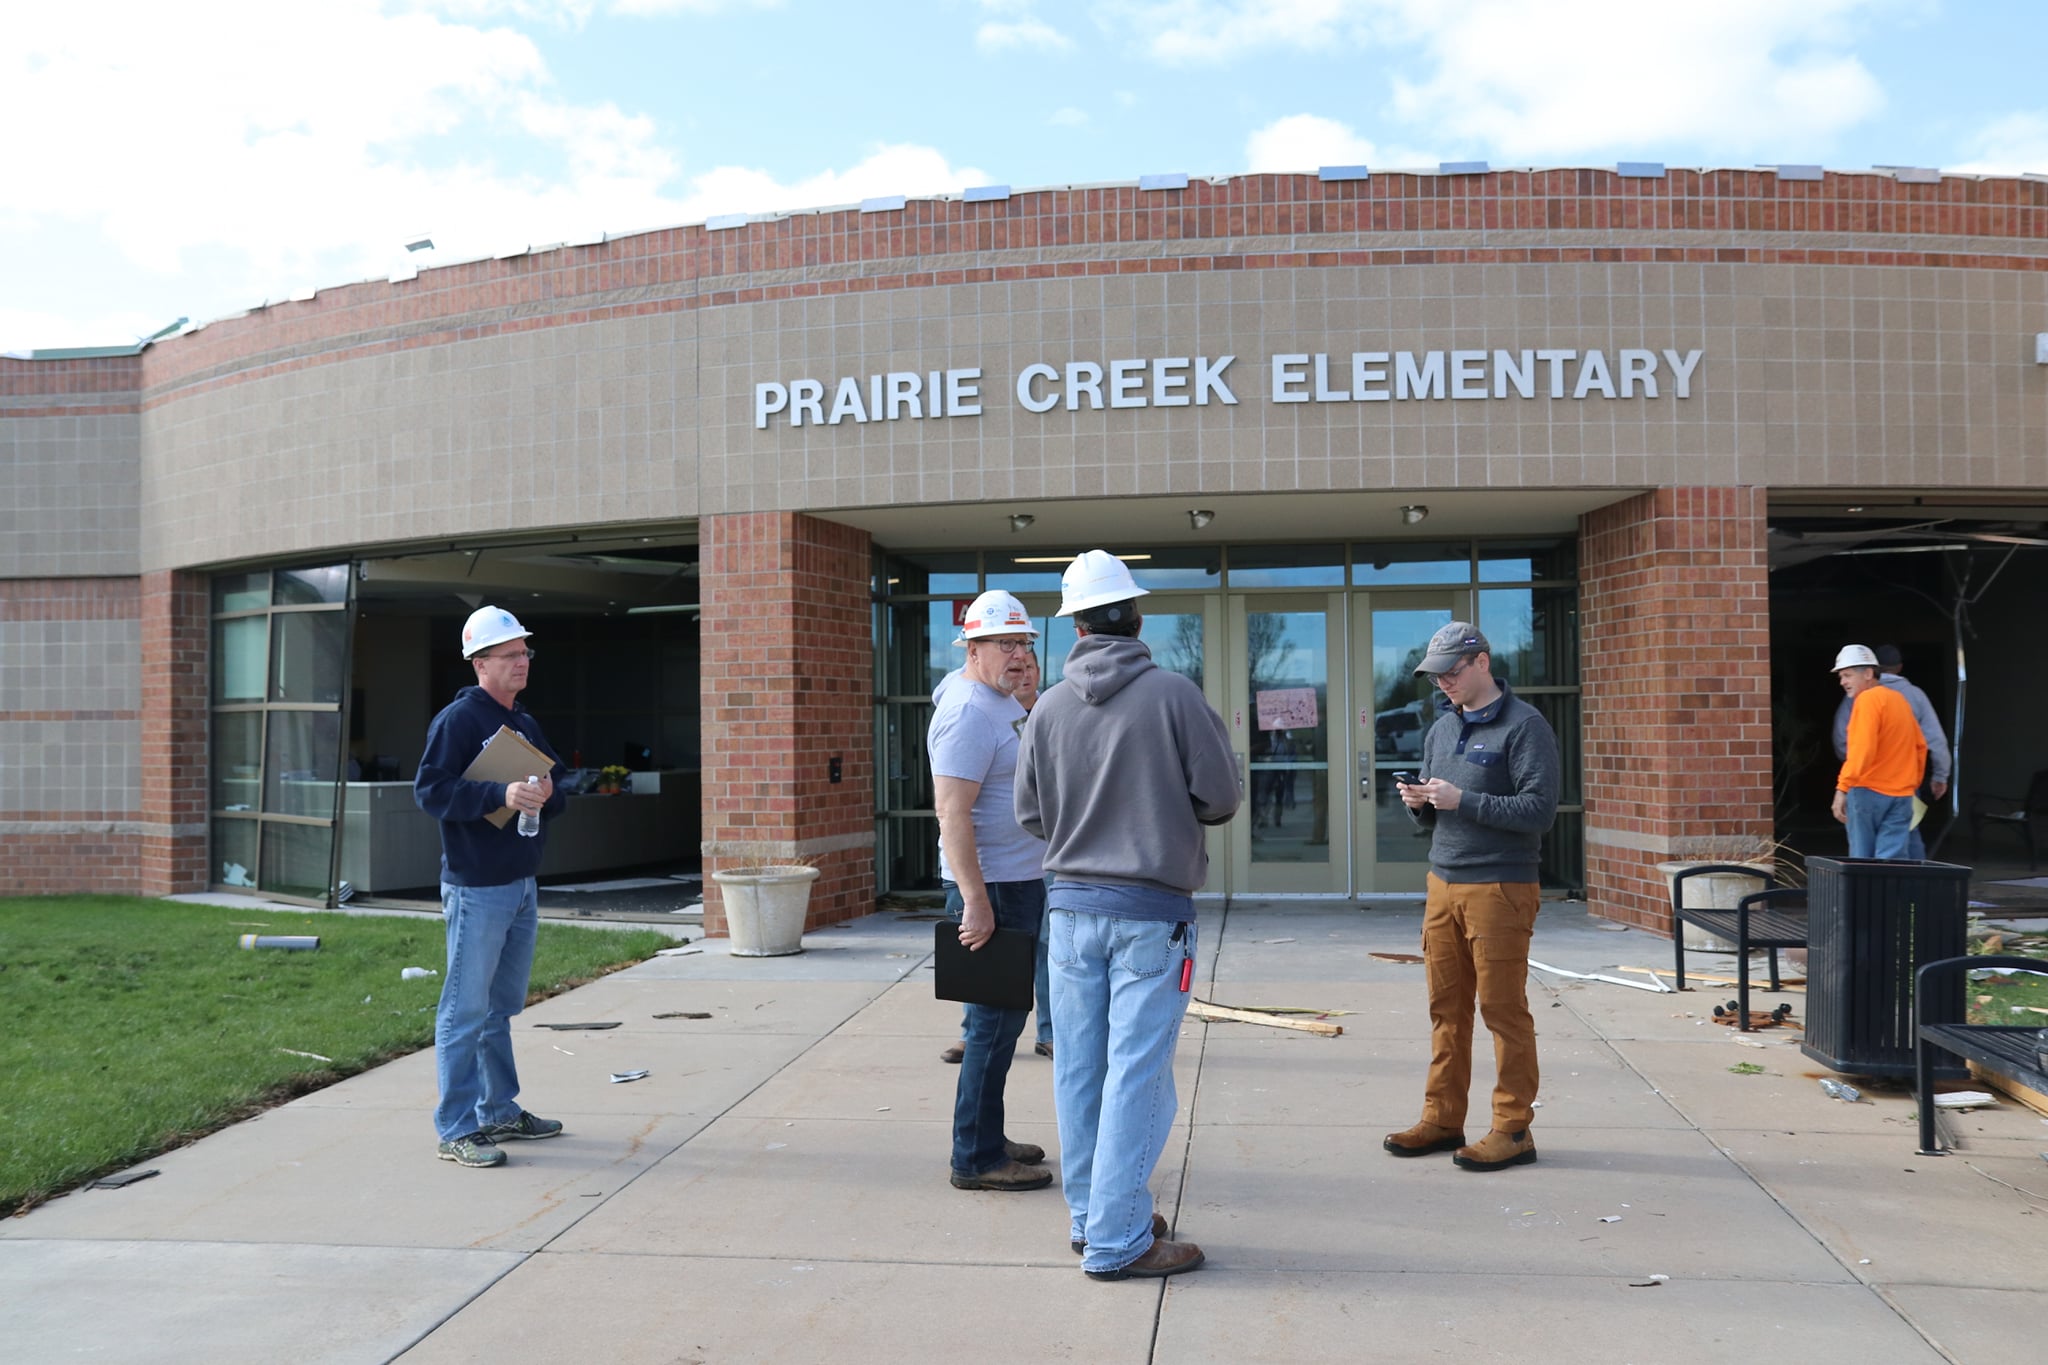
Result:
990,1038
1041,987
1878,824
490,958
1117,1007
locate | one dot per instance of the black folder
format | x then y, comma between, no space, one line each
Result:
1000,973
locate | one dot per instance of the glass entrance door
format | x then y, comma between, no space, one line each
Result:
1286,677
1389,633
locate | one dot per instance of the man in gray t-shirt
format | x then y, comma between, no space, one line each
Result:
993,873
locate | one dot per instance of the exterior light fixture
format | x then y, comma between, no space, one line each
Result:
1413,513
1021,521
1200,517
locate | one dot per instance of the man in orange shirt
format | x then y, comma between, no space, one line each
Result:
1874,794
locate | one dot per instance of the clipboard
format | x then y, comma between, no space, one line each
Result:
507,756
1000,973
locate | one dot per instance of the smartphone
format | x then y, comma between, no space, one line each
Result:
1406,779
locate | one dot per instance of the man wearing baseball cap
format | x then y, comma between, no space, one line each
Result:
992,871
1887,753
1487,792
488,895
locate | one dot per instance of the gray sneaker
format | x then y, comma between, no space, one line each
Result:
525,1126
476,1149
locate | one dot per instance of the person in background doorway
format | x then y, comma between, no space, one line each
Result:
1891,672
1122,765
488,895
1487,792
1886,754
993,872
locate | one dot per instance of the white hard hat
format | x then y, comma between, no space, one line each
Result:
489,626
995,612
1854,656
1095,579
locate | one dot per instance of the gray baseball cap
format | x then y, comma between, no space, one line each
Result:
1451,644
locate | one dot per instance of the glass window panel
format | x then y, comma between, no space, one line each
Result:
1534,633
909,855
304,587
309,654
1028,570
1191,567
241,591
917,645
234,852
1403,705
239,650
1039,570
1396,838
237,759
1287,655
1561,862
906,773
1287,566
1520,561
1175,639
1411,561
296,859
908,575
299,765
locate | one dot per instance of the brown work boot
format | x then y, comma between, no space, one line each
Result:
1010,1176
1496,1150
951,1053
1161,1259
1423,1139
1158,1232
1024,1153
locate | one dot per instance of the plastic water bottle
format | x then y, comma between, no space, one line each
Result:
529,820
2041,1049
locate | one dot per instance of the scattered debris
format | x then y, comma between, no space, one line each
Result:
559,1048
1203,1009
314,1055
1731,1012
1747,1069
416,973
1396,957
684,1014
1276,940
1836,1090
1786,982
121,1181
676,952
1611,1218
1653,984
1966,1099
620,1077
564,1028
290,943
882,1109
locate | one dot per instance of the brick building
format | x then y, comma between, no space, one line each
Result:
1660,434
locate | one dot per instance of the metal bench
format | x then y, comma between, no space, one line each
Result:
2009,1049
1772,918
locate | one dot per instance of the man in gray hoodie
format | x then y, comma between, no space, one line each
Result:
1122,765
1487,792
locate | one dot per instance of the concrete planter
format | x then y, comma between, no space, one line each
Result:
765,908
1711,891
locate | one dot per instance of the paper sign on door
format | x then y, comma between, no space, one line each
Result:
1287,708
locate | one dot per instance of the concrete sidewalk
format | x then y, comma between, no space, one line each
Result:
776,1191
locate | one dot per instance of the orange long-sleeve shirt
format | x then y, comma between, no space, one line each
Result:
1886,749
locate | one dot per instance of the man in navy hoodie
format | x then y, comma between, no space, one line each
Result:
488,895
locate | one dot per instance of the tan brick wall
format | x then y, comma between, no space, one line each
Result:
788,683
1674,611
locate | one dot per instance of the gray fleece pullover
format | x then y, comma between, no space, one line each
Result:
1121,765
1503,757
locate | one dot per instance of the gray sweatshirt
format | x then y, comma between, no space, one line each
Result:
1503,757
1938,756
1121,766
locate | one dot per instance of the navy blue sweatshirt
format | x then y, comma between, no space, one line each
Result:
475,852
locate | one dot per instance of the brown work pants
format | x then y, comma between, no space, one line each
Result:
1475,944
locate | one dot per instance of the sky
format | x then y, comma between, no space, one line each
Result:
196,160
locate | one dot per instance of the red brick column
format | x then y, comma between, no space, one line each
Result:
1674,612
174,732
788,685
53,841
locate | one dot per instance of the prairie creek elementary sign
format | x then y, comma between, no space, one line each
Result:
1199,381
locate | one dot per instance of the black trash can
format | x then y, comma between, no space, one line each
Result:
1871,922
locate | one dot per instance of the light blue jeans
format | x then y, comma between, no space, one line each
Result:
1879,825
491,930
1117,1007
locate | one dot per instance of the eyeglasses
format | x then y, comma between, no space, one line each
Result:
1451,675
1007,646
509,654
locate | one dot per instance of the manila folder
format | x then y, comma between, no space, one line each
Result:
507,756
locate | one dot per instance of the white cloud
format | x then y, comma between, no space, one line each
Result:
1068,117
1571,76
907,170
2012,145
1303,143
1025,33
1207,32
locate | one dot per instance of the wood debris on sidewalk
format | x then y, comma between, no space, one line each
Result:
1784,982
1271,1018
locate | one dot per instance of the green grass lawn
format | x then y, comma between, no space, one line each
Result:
129,1026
